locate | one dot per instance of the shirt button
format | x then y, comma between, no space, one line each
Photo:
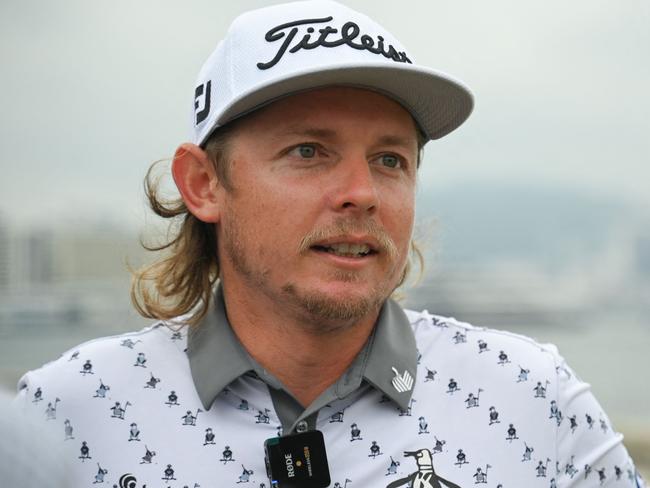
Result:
302,426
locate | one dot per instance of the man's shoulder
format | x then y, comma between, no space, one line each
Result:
465,339
110,356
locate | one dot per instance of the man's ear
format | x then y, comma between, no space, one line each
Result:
196,179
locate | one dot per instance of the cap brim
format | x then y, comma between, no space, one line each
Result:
438,103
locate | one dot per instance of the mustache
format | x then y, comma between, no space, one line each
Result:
342,227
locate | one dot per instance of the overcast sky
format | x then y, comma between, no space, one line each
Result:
93,92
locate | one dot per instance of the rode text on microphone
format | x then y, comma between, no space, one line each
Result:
297,461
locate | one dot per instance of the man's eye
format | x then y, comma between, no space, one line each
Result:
389,160
306,150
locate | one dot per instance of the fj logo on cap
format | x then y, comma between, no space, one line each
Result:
403,382
202,101
349,33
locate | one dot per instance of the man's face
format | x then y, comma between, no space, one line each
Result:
320,214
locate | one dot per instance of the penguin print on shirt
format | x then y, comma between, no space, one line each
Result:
475,436
425,476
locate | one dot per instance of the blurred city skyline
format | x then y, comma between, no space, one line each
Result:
560,267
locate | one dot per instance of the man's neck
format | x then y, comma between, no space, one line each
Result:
306,361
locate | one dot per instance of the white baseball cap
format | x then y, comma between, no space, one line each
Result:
280,50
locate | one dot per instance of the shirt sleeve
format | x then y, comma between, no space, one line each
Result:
590,452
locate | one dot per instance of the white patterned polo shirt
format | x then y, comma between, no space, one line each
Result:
428,402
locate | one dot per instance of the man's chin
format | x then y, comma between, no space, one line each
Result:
340,308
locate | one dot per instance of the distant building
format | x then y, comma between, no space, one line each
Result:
4,256
39,256
66,276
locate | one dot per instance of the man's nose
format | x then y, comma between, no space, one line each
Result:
355,187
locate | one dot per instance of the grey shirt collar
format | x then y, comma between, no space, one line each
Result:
217,358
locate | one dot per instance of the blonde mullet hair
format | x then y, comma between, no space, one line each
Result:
181,282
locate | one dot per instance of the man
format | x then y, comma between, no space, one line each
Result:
278,328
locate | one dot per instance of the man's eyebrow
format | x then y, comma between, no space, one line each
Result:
310,132
319,133
393,140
